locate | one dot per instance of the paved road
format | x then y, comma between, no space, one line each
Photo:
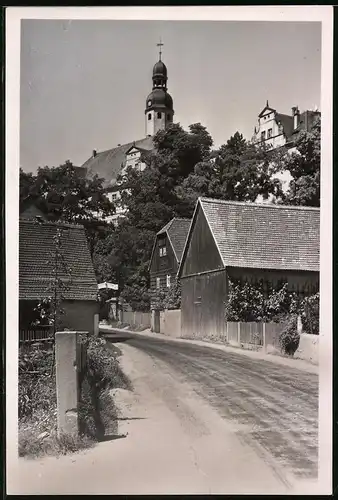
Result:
274,408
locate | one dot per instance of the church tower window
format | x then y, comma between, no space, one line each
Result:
159,115
149,116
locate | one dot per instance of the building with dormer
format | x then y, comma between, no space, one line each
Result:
276,129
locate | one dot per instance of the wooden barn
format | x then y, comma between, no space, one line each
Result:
167,253
246,241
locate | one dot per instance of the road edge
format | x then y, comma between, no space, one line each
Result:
295,363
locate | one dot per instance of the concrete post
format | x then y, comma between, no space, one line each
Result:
96,325
66,382
264,341
239,333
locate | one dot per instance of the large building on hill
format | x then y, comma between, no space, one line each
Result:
277,129
159,113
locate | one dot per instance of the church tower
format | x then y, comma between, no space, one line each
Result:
159,105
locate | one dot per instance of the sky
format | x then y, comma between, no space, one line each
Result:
83,84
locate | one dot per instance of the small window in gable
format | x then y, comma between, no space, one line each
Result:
163,251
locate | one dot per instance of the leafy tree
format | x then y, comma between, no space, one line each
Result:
304,167
64,194
310,314
240,171
151,201
150,196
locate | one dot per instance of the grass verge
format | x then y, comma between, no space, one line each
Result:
37,400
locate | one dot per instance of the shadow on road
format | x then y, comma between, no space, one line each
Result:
131,418
112,437
116,337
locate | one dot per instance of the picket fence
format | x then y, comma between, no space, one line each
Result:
34,335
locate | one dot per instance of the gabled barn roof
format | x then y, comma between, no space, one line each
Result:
108,164
177,231
36,255
263,236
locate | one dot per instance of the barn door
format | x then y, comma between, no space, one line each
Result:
198,308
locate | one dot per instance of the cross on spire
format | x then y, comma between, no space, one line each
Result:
160,45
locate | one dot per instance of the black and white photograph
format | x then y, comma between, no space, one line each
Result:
168,250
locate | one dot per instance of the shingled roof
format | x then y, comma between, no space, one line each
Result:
108,164
177,231
36,251
263,236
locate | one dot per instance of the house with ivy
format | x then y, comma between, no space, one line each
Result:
165,259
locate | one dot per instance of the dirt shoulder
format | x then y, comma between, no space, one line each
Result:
170,442
291,362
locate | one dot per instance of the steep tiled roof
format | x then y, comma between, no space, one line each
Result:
37,249
108,164
265,236
287,122
177,231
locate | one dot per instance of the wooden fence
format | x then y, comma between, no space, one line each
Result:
253,334
36,334
136,318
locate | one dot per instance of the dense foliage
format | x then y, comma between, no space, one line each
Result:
238,171
304,167
289,336
37,398
260,301
64,194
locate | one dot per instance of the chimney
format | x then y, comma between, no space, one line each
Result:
94,153
295,114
